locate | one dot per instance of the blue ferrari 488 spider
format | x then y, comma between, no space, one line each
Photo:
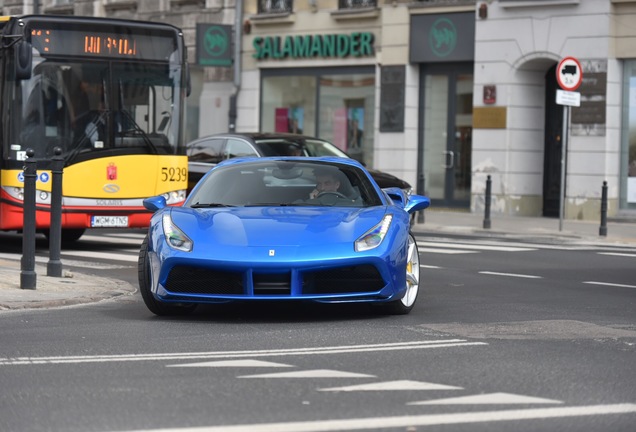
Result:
282,228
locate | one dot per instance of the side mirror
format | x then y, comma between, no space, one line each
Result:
155,203
23,60
416,203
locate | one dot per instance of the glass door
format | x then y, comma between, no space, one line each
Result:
447,133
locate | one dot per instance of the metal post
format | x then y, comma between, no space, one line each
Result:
564,146
487,203
420,191
54,266
602,231
28,276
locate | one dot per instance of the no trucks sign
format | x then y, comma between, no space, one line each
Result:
569,74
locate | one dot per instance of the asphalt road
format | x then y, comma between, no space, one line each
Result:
505,336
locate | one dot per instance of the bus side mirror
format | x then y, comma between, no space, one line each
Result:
23,60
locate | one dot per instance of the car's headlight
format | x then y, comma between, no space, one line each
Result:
174,236
372,238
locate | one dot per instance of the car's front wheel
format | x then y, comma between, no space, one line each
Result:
406,303
155,306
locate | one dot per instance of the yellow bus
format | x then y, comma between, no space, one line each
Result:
111,95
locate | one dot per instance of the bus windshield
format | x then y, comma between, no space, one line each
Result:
92,107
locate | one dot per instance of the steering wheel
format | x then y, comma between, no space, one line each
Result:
334,193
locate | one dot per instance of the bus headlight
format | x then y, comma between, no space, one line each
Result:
175,197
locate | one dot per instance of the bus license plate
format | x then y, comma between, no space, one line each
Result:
109,221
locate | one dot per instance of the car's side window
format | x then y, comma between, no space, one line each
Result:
238,148
209,151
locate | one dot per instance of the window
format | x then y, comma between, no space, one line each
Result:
336,105
208,151
238,148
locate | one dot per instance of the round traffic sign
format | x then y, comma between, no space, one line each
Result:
569,74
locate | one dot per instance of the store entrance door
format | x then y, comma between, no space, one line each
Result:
447,133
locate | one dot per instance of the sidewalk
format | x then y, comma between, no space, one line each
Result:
77,288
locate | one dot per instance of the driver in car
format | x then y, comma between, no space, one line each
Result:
325,182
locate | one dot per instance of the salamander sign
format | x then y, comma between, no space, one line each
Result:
311,46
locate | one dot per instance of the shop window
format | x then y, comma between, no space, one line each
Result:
628,197
343,113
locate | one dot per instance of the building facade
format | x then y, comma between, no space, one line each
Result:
446,94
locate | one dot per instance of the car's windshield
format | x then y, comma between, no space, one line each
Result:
297,147
285,183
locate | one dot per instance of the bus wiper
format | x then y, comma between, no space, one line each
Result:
77,148
210,205
136,131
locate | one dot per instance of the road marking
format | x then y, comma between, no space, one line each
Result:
375,423
610,284
233,363
116,256
444,251
618,254
430,344
112,238
66,262
429,266
510,274
314,373
477,246
392,386
488,399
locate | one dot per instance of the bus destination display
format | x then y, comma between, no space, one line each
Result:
101,44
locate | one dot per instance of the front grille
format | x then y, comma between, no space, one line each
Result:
353,279
197,280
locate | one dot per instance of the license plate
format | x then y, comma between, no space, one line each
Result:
109,221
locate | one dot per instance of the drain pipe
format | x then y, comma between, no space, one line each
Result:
238,39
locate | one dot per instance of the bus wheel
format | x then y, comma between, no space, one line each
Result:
154,305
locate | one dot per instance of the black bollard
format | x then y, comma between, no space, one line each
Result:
487,203
28,276
54,266
602,231
420,191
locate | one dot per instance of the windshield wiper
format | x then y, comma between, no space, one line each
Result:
279,204
210,205
79,144
136,130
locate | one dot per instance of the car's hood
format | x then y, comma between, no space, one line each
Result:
275,227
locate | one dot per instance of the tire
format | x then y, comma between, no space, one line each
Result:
404,305
155,306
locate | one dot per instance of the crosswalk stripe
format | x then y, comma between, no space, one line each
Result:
392,386
314,373
115,256
477,247
618,254
444,251
488,399
110,238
